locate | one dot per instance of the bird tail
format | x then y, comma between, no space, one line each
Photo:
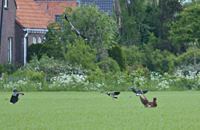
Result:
66,18
115,97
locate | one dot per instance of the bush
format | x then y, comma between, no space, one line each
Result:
188,57
8,68
133,54
117,54
33,49
80,54
109,65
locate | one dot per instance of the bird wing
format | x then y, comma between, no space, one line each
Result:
134,90
116,93
75,28
145,91
16,92
138,91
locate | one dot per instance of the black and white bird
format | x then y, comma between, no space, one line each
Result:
138,92
15,95
73,28
111,94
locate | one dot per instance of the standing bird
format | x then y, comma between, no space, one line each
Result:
146,103
111,94
15,95
73,28
138,92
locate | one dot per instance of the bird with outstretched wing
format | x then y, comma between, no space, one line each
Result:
14,98
111,94
73,28
137,91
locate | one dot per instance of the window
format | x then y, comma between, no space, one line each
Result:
9,49
5,3
57,19
78,3
39,40
34,40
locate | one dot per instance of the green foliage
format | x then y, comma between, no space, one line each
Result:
50,66
109,65
151,23
133,54
53,34
44,50
132,16
186,28
8,68
33,49
188,57
51,50
158,61
117,54
96,25
96,76
80,54
38,77
138,67
163,61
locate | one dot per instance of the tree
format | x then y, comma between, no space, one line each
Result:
133,54
33,49
80,54
132,14
151,22
117,54
155,59
186,28
96,25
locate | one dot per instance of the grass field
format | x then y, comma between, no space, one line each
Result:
97,111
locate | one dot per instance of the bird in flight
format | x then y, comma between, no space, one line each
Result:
73,28
138,92
15,95
111,94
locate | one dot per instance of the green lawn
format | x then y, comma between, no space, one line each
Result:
97,111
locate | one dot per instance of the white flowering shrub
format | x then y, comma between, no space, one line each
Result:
74,80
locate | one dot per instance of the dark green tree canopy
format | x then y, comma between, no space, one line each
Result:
187,28
117,54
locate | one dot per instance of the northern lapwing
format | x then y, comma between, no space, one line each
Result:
73,28
15,95
112,94
138,92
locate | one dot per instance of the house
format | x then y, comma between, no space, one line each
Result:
105,5
7,30
30,27
55,8
24,22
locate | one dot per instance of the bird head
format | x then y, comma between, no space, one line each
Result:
21,93
108,93
154,99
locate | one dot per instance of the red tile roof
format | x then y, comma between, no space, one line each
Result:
30,15
55,7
